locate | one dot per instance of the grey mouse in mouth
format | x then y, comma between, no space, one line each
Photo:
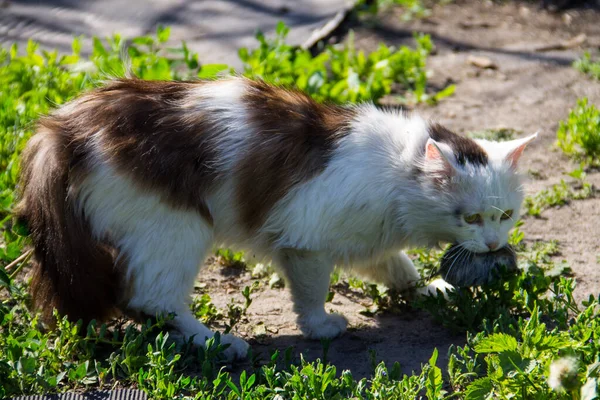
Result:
463,268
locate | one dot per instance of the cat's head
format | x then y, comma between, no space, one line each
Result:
477,187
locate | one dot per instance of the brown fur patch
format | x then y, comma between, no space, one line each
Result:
142,128
464,149
72,272
293,141
147,133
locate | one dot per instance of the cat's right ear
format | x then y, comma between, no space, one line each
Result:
436,162
516,148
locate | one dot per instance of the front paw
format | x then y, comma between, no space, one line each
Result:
322,325
435,286
238,348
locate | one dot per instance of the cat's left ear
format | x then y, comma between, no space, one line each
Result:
515,149
436,160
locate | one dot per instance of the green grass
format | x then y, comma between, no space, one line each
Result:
589,67
515,328
557,195
579,138
579,135
341,73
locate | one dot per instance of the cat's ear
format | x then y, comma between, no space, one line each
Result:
436,161
515,149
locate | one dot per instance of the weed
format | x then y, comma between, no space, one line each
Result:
589,67
204,309
557,195
230,258
341,73
235,312
579,135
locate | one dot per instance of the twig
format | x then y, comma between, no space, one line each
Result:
20,267
565,44
22,257
326,30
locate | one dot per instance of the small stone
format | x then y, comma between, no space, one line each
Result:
260,270
482,62
260,330
276,281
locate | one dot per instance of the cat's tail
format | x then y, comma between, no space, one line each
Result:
72,273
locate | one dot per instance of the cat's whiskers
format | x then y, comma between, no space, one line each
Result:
460,251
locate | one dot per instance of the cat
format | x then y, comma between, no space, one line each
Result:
127,188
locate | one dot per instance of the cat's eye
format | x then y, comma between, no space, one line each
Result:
507,215
473,219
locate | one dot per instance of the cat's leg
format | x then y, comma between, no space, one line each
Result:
308,275
161,250
398,272
164,251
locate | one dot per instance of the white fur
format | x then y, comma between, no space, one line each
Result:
221,103
165,248
359,212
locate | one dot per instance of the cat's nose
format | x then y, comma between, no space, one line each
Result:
492,245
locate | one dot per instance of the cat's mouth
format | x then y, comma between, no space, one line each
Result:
462,267
442,245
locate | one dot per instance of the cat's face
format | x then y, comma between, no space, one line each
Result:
481,194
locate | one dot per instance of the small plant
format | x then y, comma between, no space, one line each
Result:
341,73
230,258
235,312
579,135
468,309
558,195
204,309
533,359
589,67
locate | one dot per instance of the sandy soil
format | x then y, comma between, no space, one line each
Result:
528,91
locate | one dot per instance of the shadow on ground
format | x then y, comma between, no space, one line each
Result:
407,339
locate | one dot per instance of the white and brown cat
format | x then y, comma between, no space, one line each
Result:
127,188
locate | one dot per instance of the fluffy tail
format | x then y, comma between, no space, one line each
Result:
73,272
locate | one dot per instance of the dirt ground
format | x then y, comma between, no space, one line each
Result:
529,90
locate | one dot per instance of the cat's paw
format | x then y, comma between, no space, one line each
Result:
434,286
323,325
238,348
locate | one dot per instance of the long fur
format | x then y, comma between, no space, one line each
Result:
73,273
126,189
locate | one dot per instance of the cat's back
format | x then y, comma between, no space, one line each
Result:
182,140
